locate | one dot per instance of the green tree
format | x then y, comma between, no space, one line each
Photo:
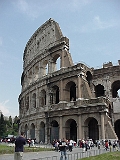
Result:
2,126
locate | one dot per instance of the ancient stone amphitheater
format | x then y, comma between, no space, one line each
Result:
60,99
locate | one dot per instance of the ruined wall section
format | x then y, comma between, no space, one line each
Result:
107,76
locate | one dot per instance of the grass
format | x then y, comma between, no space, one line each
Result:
4,149
106,156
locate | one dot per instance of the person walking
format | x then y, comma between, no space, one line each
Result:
62,148
19,146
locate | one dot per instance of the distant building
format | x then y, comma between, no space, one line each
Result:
73,101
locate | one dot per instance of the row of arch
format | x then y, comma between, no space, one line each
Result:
54,95
91,130
70,130
41,69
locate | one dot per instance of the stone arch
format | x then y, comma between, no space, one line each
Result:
91,129
116,89
56,62
42,132
70,91
27,102
30,77
36,72
34,100
117,128
32,131
43,98
45,68
71,129
99,90
54,95
89,77
54,130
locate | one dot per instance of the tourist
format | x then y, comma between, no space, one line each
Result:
62,148
19,143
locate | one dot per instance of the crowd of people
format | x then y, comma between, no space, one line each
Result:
88,144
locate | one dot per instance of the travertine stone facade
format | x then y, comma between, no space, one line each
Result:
60,99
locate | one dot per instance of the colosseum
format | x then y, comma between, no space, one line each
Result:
60,99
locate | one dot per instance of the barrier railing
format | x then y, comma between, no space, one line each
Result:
78,155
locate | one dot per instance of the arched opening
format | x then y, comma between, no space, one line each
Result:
70,91
117,128
71,129
34,100
42,132
54,130
54,95
32,131
45,68
27,102
43,98
89,77
99,90
93,129
30,77
56,62
116,89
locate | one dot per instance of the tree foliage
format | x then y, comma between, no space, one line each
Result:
8,126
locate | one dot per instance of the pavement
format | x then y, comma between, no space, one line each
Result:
53,155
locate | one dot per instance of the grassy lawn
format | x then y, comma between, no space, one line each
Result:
4,149
106,156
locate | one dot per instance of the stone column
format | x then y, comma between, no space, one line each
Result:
79,128
60,128
30,102
62,65
61,92
37,98
46,136
37,134
79,94
47,98
102,126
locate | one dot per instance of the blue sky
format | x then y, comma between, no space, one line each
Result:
92,26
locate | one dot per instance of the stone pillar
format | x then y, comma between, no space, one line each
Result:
60,128
62,65
37,134
102,126
79,128
30,102
37,98
46,131
79,94
61,92
47,98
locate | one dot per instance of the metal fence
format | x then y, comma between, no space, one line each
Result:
78,155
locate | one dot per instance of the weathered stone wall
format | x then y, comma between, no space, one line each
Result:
57,103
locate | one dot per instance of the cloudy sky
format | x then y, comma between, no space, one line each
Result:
92,26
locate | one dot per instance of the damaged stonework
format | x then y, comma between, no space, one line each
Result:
62,100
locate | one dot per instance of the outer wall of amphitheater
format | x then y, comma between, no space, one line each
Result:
62,100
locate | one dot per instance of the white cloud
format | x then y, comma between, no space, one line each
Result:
99,24
4,108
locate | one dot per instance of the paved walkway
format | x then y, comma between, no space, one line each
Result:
53,154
